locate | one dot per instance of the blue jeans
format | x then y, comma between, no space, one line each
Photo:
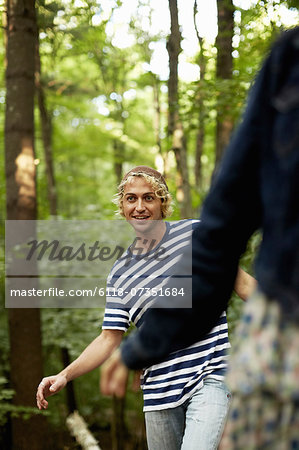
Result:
197,424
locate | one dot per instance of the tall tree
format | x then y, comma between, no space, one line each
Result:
46,129
145,42
224,70
175,126
24,324
201,124
114,78
157,109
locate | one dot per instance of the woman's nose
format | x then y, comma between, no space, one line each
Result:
140,205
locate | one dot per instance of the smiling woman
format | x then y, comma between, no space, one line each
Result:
140,202
174,390
156,185
143,199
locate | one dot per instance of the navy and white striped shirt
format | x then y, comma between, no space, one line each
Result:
130,286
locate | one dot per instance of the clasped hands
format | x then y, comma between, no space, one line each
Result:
114,377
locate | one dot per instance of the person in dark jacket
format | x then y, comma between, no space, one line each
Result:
257,186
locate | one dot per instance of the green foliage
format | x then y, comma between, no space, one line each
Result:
7,409
71,328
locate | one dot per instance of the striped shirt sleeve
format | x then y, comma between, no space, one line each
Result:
116,319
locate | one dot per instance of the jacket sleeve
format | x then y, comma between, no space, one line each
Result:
231,213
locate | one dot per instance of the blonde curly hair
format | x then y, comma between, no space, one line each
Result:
159,187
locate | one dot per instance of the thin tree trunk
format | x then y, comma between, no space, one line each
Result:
118,429
175,126
224,69
119,147
201,125
118,154
46,128
70,392
24,324
157,126
157,117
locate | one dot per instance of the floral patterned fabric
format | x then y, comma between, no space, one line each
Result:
263,377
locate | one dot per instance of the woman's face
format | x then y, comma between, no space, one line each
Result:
140,204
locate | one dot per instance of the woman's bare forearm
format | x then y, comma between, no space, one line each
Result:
97,352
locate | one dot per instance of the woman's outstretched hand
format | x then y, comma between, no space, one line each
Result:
49,386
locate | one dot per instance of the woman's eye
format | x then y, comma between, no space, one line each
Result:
149,198
130,198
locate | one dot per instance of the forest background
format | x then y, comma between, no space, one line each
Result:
96,87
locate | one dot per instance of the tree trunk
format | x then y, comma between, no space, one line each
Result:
118,429
201,125
224,69
119,147
118,156
70,391
157,117
157,125
24,324
175,126
46,128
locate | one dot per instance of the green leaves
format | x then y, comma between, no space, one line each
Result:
7,409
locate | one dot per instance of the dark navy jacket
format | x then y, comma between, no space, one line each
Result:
257,186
